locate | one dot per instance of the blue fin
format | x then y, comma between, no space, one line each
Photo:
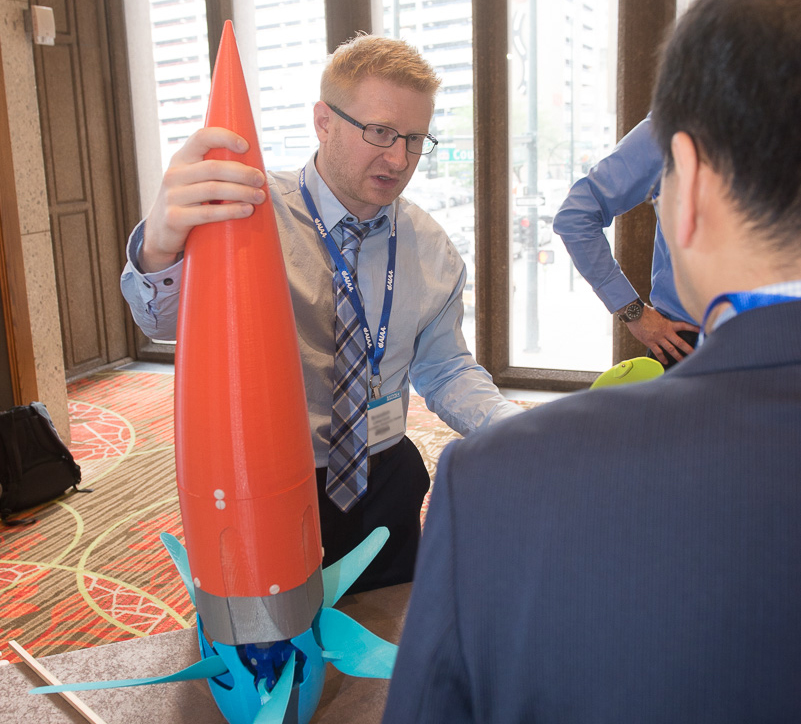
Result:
359,652
181,561
205,669
274,708
339,576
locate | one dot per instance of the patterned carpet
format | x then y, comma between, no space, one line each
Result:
91,570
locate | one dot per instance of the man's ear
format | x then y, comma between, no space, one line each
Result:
686,167
322,119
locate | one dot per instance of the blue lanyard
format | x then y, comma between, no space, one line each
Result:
744,301
375,352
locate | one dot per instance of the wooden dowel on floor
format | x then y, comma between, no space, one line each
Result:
73,700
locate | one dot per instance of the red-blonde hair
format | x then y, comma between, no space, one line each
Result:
374,56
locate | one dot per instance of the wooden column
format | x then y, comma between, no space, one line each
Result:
344,18
217,12
641,30
491,119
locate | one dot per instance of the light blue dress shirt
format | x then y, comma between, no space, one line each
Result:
425,342
615,185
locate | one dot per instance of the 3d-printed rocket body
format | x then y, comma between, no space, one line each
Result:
246,478
244,459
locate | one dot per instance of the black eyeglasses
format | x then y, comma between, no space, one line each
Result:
419,144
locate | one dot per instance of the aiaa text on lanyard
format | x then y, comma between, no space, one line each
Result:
375,353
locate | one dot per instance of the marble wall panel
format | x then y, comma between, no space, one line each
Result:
27,158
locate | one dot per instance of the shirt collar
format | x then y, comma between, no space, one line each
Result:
331,209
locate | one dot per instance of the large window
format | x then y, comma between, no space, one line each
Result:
561,122
442,30
527,105
282,45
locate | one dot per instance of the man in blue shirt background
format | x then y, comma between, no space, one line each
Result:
615,185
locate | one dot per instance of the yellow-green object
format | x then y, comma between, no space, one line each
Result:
638,369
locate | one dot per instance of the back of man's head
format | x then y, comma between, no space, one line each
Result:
730,77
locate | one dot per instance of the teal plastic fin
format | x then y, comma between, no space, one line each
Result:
180,560
339,576
360,652
205,669
638,369
275,702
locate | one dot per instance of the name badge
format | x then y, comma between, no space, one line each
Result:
385,418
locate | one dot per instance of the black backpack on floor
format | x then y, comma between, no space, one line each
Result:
35,464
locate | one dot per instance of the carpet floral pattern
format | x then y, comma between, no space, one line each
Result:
91,569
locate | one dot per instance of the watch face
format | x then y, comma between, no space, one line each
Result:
634,311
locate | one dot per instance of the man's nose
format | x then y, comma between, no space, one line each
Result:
397,154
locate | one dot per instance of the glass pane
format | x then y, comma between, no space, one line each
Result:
169,64
169,60
562,121
442,30
181,60
283,48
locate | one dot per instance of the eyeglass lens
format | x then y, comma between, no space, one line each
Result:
383,136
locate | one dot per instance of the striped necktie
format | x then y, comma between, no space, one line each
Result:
347,456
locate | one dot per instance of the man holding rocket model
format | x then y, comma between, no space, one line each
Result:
376,289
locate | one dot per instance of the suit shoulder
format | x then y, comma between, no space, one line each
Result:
561,424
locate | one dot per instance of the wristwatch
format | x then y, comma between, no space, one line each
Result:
632,311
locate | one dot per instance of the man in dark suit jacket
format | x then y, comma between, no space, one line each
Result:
633,554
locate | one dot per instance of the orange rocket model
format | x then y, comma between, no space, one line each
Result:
244,458
246,479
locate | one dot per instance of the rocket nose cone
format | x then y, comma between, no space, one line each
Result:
227,45
229,103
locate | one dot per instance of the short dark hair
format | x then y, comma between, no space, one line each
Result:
730,77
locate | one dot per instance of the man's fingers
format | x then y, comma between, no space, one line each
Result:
659,354
683,345
214,191
214,170
202,141
187,217
685,327
676,347
659,334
